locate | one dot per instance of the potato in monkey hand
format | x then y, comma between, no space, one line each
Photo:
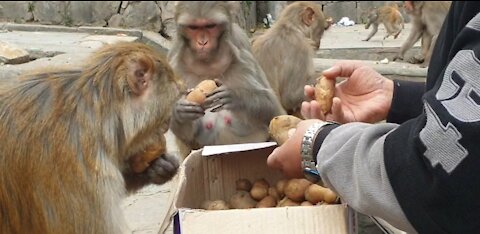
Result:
200,92
140,161
280,126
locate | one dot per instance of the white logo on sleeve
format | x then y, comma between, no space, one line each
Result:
459,93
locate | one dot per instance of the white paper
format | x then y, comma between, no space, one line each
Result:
221,149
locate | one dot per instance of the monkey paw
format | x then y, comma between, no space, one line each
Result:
163,169
397,57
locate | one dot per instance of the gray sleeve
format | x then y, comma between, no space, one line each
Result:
350,162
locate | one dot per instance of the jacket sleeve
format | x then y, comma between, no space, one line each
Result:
387,169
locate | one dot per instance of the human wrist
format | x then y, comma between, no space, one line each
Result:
311,143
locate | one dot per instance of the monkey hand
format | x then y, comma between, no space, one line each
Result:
185,110
220,98
163,169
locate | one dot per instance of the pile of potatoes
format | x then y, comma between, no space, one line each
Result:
260,194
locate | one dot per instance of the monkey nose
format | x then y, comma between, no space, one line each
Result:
202,43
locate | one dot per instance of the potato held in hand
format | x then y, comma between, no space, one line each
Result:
324,92
280,125
139,162
200,92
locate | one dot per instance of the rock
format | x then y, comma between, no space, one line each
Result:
11,54
17,11
168,29
94,13
49,12
144,15
116,21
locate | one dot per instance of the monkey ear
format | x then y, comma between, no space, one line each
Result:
139,77
308,16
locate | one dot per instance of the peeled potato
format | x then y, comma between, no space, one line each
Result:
200,92
261,182
295,189
324,92
280,125
287,202
243,184
314,193
306,203
329,196
242,200
139,162
272,191
258,192
267,201
280,186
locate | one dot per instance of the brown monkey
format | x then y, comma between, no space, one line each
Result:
427,19
210,46
67,134
389,16
286,51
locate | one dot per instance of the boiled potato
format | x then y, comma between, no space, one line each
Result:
200,92
267,201
215,205
280,125
242,200
243,184
324,92
295,189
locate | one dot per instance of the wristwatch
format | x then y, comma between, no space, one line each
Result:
308,164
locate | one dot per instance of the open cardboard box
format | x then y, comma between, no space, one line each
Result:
211,173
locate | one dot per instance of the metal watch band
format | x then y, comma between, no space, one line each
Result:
308,164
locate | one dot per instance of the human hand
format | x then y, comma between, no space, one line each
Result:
364,96
287,157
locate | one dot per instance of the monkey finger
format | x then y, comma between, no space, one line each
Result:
189,116
190,109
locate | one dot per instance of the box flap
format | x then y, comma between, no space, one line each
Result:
224,149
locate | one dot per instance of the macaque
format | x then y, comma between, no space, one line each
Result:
427,19
286,51
210,46
67,136
389,16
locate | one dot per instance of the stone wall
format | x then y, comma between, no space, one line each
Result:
147,15
157,16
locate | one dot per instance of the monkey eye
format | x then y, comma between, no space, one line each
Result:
210,26
192,27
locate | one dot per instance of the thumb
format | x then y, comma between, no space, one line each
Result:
272,160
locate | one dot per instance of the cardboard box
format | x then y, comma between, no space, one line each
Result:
211,174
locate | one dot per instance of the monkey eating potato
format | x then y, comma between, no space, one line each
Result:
68,134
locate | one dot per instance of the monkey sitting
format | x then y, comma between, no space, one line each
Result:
67,135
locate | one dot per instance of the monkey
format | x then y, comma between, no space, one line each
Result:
427,20
389,16
209,45
67,135
286,50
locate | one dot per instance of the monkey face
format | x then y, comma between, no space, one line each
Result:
203,36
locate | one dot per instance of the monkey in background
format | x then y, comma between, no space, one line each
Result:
427,20
389,16
286,50
210,46
67,135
